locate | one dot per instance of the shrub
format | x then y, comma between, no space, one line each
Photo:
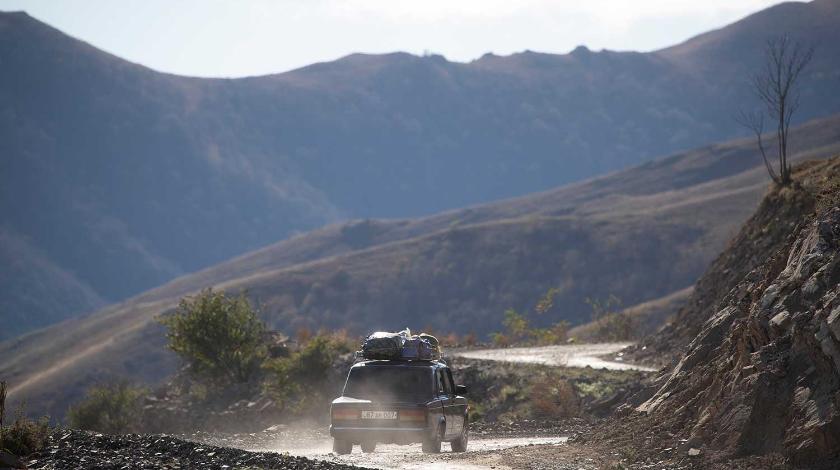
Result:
516,325
547,301
555,334
553,398
616,327
610,323
219,337
24,436
300,383
508,393
519,331
499,339
113,408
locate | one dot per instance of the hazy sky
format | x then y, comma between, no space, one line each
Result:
252,37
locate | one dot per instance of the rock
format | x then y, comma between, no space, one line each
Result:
781,321
693,452
623,410
830,349
834,322
769,296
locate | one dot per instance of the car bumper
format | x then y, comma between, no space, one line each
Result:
386,435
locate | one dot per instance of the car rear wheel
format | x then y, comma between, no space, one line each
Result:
460,444
342,447
431,444
368,447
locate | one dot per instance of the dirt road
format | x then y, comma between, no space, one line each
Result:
483,452
571,355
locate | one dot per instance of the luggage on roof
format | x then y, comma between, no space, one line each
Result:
431,339
400,346
418,348
383,345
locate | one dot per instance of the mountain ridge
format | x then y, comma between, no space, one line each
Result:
126,178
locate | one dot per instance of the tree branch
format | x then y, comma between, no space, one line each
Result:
755,122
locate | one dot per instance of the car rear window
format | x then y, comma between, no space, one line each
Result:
389,384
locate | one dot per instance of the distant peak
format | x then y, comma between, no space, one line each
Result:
434,57
581,50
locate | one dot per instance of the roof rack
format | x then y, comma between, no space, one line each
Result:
360,360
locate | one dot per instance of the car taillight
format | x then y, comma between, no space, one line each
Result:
345,414
413,415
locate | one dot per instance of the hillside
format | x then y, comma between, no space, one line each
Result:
118,178
760,378
455,270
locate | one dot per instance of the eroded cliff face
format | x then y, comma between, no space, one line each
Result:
766,232
763,375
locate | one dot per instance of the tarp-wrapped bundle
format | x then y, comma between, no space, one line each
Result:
383,345
400,346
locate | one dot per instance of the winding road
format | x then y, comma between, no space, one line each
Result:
566,355
483,453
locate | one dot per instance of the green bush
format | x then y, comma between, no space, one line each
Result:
219,337
515,324
555,334
24,436
518,329
300,382
114,408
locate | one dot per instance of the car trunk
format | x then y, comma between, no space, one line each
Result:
348,412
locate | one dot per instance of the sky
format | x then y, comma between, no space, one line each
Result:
214,38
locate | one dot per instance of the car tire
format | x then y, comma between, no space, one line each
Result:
431,444
368,447
342,447
460,444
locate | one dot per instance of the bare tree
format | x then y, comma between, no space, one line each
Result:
776,87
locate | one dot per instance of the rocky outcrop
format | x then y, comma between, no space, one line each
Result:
756,378
763,374
765,232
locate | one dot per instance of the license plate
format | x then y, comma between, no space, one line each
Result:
379,415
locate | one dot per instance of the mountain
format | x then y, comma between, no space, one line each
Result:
116,178
639,234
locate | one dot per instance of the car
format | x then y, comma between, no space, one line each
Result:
400,402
